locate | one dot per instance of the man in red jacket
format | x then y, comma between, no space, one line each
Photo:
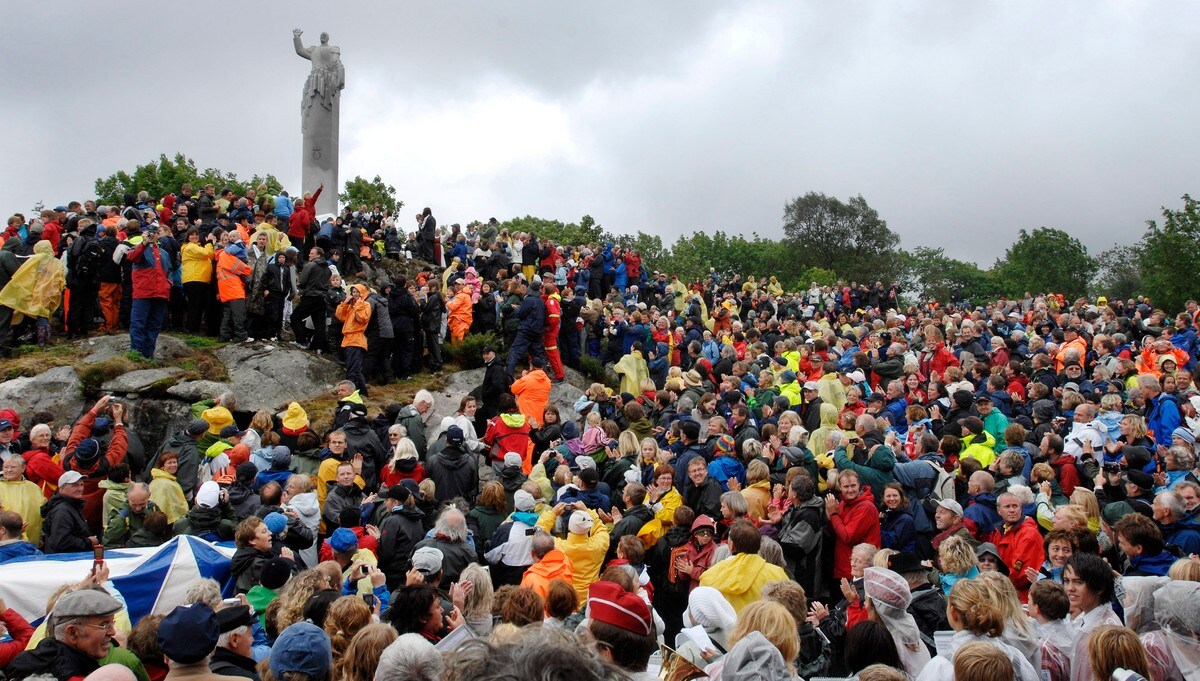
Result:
82,454
1018,541
151,291
854,521
550,334
303,214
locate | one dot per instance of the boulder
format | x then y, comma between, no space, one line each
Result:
104,348
263,376
194,391
57,390
140,380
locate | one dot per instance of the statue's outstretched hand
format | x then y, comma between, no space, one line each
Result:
296,32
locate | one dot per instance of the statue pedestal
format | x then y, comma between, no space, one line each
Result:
320,154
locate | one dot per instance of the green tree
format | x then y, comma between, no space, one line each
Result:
586,231
929,274
1170,256
167,175
363,192
1120,272
1045,259
849,238
649,247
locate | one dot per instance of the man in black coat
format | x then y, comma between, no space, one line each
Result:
495,383
395,547
532,316
64,529
454,470
361,439
636,515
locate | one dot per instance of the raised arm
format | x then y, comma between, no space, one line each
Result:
301,50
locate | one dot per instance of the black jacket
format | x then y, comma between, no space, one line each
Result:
630,524
228,663
361,439
705,499
63,528
54,658
455,472
245,566
928,608
314,279
395,547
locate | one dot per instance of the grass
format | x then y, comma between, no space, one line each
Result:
202,342
93,376
31,360
320,409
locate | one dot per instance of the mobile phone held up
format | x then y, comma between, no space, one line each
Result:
97,558
369,599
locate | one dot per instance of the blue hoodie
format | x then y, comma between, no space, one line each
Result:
621,278
607,258
722,468
982,512
1151,566
1187,341
1182,533
283,206
17,549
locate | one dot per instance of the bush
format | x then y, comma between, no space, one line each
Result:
596,372
468,353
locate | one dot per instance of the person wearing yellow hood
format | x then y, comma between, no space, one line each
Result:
977,443
586,543
632,369
829,424
741,577
36,289
790,388
294,424
23,496
830,387
218,412
355,313
774,288
679,290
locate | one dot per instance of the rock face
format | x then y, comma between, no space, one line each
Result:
194,391
265,376
57,391
137,381
103,348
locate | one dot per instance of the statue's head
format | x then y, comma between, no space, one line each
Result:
324,38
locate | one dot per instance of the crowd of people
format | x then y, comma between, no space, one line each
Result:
785,484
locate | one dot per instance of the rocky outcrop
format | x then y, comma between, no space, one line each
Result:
101,348
57,391
264,376
140,380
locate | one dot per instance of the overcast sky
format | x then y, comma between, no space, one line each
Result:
960,122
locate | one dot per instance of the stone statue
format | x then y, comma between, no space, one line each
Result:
319,118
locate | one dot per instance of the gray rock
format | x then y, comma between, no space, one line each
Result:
140,380
194,391
106,347
265,376
156,419
57,390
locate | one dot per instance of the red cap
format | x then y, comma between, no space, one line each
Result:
609,603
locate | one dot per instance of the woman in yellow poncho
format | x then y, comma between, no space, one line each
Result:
36,289
165,491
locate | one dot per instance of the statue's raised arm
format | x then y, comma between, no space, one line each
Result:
301,50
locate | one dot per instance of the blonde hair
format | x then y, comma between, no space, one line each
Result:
627,444
1005,598
774,622
1086,499
261,422
347,616
982,661
1185,570
1111,646
1076,514
1041,472
972,601
361,658
882,556
1137,427
956,556
757,471
882,672
295,594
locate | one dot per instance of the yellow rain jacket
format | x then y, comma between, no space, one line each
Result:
740,578
632,369
26,498
586,553
36,288
166,493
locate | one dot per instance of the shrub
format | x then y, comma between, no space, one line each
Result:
468,353
596,372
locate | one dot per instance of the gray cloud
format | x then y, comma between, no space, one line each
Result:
960,122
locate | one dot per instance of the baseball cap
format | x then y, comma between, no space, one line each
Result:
197,427
454,436
343,540
427,560
811,385
580,523
5,424
304,648
952,506
189,633
69,478
231,431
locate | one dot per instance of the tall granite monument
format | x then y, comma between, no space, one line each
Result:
319,119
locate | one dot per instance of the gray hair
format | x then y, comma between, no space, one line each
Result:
138,487
453,524
1149,381
410,658
541,544
423,396
1183,456
206,591
736,503
866,422
479,602
39,429
1173,503
228,400
223,639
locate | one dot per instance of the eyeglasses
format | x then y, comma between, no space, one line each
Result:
109,625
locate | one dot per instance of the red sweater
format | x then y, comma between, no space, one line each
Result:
41,469
93,496
19,630
856,522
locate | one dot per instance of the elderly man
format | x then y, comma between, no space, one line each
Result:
127,520
413,418
81,627
1178,528
187,637
450,536
64,528
1018,542
948,517
234,655
24,497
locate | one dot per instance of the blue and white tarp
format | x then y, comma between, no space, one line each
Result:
152,580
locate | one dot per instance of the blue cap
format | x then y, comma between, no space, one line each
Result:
304,648
343,540
276,522
87,450
189,633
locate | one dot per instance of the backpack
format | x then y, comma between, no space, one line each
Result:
86,258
